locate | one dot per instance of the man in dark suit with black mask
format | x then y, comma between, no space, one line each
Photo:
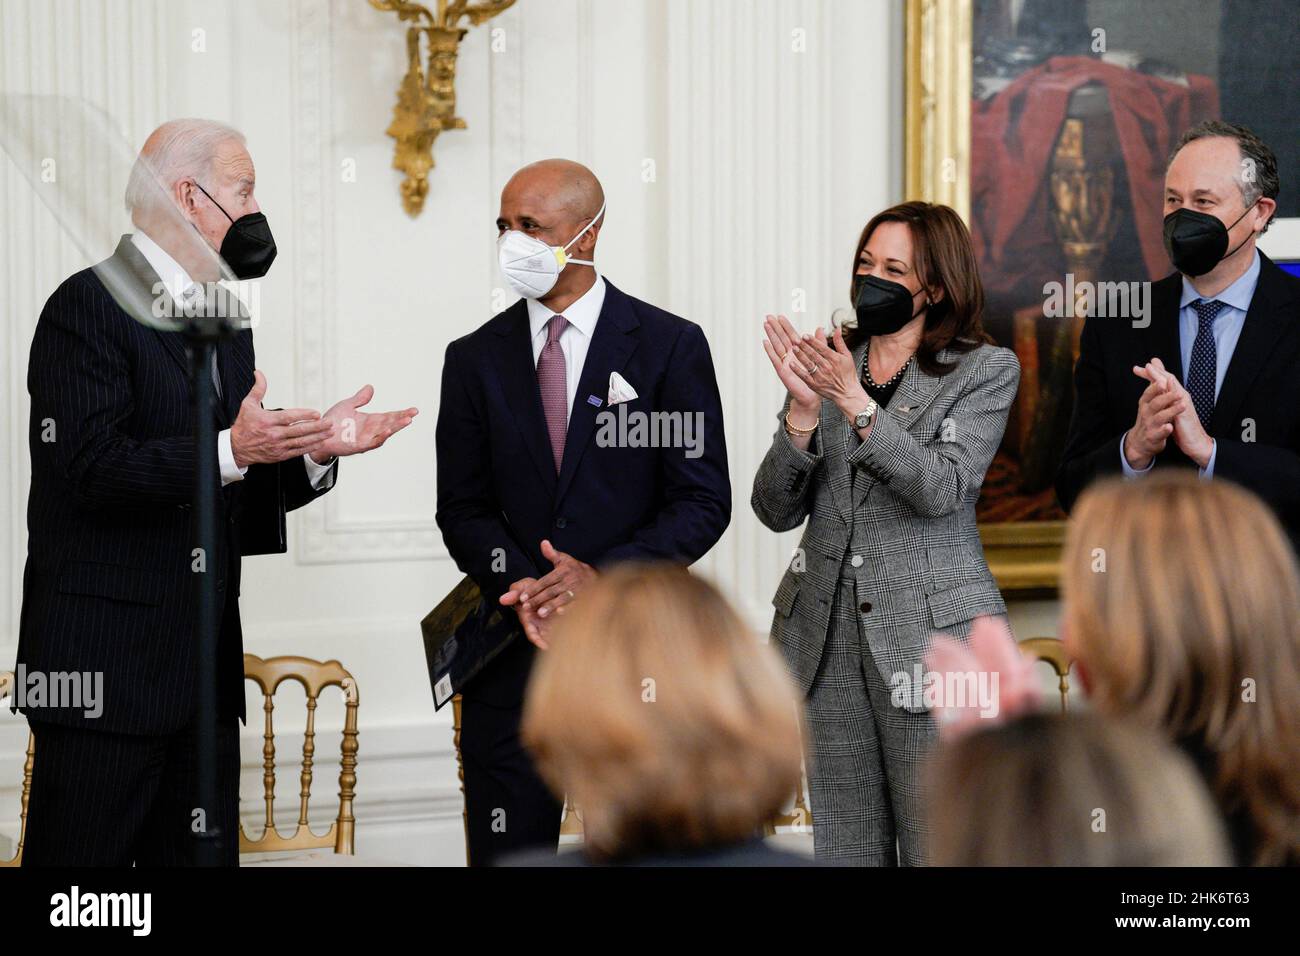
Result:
579,428
1211,381
106,651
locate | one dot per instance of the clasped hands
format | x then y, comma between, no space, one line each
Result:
1165,409
261,436
538,600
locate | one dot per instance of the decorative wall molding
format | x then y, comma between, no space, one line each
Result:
117,61
322,536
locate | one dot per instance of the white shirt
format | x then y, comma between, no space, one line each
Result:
576,337
180,286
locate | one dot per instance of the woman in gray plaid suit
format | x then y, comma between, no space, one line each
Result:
883,443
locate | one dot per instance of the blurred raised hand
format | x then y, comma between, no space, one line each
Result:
991,649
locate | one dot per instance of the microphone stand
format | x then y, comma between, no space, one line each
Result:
202,332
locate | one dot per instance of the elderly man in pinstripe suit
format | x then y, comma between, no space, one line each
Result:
882,449
108,587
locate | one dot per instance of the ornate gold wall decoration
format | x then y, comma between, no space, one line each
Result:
426,100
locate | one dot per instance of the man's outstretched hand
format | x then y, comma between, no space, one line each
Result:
356,431
261,436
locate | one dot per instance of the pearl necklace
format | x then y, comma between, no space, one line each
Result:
871,382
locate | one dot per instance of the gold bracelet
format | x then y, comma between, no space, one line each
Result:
794,429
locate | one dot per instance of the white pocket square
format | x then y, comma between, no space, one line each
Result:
619,390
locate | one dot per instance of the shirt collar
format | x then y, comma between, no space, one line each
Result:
582,314
1237,295
174,277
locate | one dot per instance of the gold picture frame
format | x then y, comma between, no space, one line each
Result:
1024,556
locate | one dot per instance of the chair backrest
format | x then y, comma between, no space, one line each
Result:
314,676
1051,651
6,689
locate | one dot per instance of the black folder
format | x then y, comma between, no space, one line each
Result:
461,635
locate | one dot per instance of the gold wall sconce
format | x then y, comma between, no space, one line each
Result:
426,100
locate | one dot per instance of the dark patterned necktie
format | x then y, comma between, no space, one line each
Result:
1202,369
554,386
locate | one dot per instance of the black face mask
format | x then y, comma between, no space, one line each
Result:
1196,241
883,307
249,247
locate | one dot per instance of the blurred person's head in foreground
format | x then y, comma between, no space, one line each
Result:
1181,601
1077,790
663,716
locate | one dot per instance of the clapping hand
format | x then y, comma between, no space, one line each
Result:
356,431
830,372
538,600
991,650
534,627
262,436
780,348
1172,408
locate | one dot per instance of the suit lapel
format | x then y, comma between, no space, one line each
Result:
833,438
517,375
1265,323
130,277
915,393
131,280
235,362
612,344
1163,334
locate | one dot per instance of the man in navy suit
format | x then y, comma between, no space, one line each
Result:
578,428
108,590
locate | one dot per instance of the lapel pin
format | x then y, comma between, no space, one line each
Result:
594,400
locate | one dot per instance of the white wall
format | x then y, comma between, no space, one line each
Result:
742,144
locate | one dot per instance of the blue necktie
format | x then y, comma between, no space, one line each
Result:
1202,370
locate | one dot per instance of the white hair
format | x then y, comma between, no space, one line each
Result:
184,147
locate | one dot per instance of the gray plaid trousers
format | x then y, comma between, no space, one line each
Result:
865,764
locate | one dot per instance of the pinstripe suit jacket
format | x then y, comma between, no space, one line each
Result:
108,585
903,501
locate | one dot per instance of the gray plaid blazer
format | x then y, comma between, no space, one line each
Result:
903,501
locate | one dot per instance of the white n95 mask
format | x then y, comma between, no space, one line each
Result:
531,266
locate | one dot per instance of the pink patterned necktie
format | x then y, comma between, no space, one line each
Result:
554,387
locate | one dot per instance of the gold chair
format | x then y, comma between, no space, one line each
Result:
7,688
314,676
460,768
571,820
799,816
1051,651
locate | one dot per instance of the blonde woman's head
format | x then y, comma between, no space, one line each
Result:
662,715
1181,600
1079,790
